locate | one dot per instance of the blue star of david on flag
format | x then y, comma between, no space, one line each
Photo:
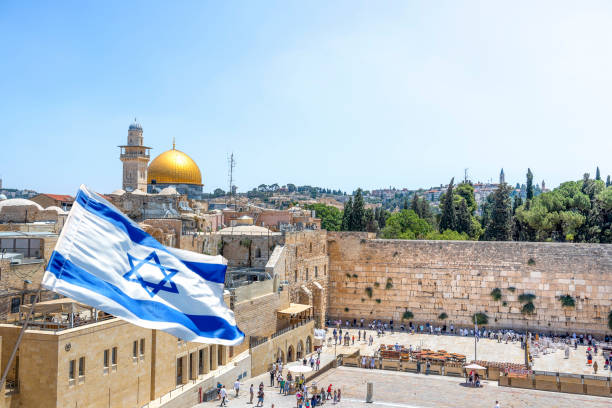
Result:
151,287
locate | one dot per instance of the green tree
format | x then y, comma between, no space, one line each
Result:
464,219
448,219
597,174
499,227
529,184
608,183
466,191
371,225
218,192
358,213
447,235
405,203
347,215
331,217
405,224
382,218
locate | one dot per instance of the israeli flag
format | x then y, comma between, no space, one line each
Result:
103,259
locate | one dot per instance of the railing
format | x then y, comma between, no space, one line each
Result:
257,342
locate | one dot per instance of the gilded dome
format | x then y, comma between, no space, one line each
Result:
174,167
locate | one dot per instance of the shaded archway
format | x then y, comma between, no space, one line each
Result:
290,354
280,355
300,350
308,345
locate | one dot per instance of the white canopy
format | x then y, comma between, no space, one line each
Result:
475,366
300,369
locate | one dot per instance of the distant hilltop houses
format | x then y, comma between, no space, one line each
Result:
6,193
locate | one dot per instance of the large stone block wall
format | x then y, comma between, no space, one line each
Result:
457,277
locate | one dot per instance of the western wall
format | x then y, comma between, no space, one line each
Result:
381,279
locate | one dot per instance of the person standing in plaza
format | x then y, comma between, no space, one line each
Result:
251,393
272,374
496,404
237,387
318,363
223,396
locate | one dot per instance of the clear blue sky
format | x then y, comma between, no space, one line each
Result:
336,94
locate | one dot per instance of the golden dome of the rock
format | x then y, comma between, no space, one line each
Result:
174,167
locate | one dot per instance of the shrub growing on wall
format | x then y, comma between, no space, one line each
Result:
408,315
348,275
567,301
443,316
528,308
526,297
378,300
496,294
376,284
369,291
511,289
389,284
480,318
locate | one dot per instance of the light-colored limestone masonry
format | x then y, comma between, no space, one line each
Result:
457,277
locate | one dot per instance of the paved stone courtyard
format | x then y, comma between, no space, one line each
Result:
407,390
489,350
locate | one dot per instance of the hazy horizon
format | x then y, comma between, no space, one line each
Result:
338,95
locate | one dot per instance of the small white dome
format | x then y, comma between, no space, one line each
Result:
18,202
2,197
56,209
119,192
169,191
138,192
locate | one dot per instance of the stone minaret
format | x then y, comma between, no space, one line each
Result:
135,158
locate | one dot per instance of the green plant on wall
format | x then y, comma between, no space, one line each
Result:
567,301
531,262
362,299
389,284
346,309
496,294
528,308
369,291
480,318
348,275
378,300
354,275
443,316
511,289
504,303
526,297
377,284
407,315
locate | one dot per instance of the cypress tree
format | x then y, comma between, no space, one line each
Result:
382,218
448,220
608,183
597,174
414,204
529,184
358,213
405,203
518,201
464,219
499,227
347,215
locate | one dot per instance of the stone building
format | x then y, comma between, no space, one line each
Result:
62,201
135,157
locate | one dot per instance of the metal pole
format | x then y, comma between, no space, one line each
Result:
475,337
18,342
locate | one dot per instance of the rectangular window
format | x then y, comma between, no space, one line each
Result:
106,358
81,366
114,356
71,368
15,303
142,347
135,349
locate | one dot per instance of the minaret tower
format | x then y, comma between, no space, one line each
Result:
135,158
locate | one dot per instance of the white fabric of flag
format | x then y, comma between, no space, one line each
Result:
105,260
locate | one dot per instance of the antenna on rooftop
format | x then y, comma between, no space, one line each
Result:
465,175
231,164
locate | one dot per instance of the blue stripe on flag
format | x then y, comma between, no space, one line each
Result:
209,271
200,325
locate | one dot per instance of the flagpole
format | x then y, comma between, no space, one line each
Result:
475,334
19,338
